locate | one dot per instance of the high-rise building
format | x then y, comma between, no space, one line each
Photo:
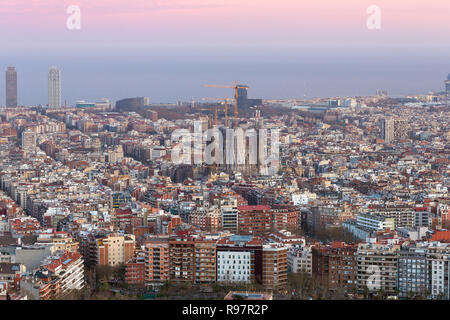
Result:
229,217
335,265
447,91
157,260
438,268
192,260
28,139
274,265
205,257
387,130
115,249
54,88
11,87
242,99
412,271
393,129
377,268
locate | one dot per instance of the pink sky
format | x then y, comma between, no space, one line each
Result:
288,22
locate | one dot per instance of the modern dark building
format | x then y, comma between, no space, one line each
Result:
242,99
132,103
254,102
11,87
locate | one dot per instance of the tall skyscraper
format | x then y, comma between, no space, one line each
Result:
11,87
387,130
447,91
242,98
54,88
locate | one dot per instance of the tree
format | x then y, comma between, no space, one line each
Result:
118,272
306,286
165,289
366,292
105,285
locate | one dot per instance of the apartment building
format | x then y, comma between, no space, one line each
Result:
404,216
255,220
157,260
438,257
335,265
412,271
115,249
55,278
300,259
239,259
192,259
182,259
88,248
135,271
229,217
377,268
206,219
274,266
10,274
43,285
285,217
234,266
375,222
60,239
69,268
205,261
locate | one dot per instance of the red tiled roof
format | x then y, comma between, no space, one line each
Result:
259,207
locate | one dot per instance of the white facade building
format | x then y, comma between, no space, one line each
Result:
300,260
438,259
230,215
375,222
233,266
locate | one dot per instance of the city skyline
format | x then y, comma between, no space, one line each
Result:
283,50
202,150
72,99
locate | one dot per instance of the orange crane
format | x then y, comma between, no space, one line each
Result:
225,101
236,87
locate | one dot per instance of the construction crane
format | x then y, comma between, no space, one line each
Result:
236,87
225,102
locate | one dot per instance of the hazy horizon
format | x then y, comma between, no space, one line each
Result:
167,49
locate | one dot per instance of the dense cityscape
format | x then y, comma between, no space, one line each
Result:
354,205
